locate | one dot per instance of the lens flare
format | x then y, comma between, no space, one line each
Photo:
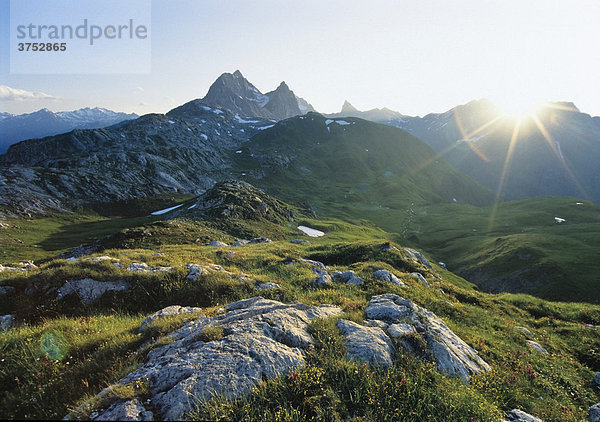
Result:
53,345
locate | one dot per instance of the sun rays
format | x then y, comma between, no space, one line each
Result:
517,115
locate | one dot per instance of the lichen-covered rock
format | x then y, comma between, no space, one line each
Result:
413,254
594,413
6,322
240,242
145,268
261,339
349,277
90,290
167,312
366,344
313,263
420,278
130,410
196,270
537,347
525,331
217,243
385,275
268,286
323,280
451,354
517,415
260,240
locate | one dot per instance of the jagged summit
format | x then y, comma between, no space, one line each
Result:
235,93
348,108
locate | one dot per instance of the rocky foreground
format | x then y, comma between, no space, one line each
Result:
256,339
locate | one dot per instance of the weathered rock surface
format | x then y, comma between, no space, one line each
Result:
196,270
240,242
366,344
594,413
6,322
420,278
537,347
145,268
267,286
517,415
323,280
167,312
349,277
130,410
451,354
525,331
217,243
385,275
411,253
261,339
90,290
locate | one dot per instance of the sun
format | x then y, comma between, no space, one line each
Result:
519,107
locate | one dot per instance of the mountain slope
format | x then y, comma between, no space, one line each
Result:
184,151
352,162
15,128
554,153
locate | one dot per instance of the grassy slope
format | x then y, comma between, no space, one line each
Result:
95,345
364,170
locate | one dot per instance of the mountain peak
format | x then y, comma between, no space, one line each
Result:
348,108
238,74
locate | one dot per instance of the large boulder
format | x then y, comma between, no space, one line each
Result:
406,321
366,344
90,290
255,339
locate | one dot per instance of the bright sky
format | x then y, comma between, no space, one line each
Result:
411,56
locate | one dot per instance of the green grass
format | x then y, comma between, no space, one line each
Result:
100,341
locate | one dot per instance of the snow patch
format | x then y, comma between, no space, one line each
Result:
166,210
559,220
311,232
242,120
559,150
265,127
239,151
203,136
193,206
171,122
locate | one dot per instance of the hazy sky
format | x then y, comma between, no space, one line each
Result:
413,56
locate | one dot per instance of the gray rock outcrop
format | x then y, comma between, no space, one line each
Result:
385,275
420,278
130,410
90,290
525,331
217,243
413,254
451,354
534,345
597,379
349,277
6,322
366,344
268,286
517,415
261,339
594,413
167,312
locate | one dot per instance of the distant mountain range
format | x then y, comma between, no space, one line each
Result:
554,153
15,128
